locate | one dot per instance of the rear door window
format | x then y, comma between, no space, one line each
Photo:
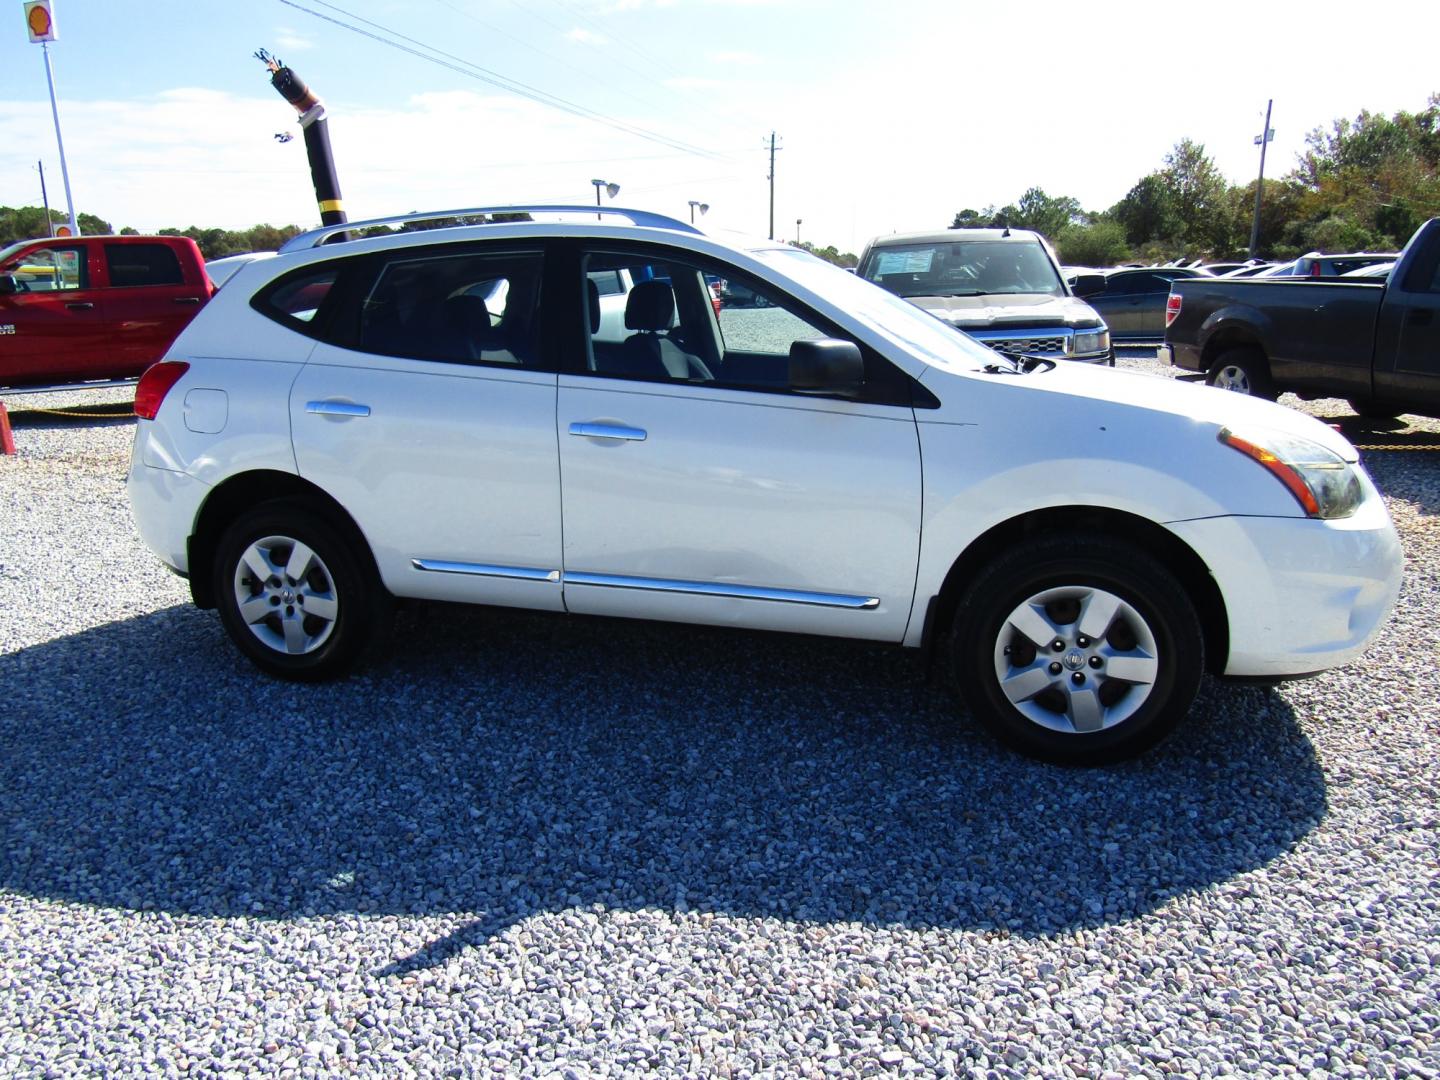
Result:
142,264
464,307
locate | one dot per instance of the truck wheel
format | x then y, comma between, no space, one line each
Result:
294,593
1079,650
1243,370
1372,411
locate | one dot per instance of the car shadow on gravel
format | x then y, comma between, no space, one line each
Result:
499,764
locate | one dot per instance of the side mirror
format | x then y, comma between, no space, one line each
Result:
1088,285
8,285
826,366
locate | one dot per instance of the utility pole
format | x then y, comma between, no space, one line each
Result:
798,223
45,198
1261,140
771,178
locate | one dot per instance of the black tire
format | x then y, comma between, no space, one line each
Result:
1154,627
351,610
1243,370
1371,410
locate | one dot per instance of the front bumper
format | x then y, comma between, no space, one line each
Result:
1301,595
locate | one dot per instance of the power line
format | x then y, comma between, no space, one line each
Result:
493,78
606,79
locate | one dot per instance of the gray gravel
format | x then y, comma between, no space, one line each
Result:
552,847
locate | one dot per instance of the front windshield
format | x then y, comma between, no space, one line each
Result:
932,340
964,268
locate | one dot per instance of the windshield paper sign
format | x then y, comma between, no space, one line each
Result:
904,262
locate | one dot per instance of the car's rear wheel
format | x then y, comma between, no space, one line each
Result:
294,592
1077,650
1244,371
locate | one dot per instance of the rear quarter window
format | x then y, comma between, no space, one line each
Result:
299,299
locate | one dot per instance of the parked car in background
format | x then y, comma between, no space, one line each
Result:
89,308
1133,301
220,270
1247,271
1078,545
1316,265
1003,287
1374,270
1374,342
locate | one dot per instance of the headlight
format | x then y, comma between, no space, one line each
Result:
1090,341
1323,484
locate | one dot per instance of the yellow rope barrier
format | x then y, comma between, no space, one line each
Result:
82,415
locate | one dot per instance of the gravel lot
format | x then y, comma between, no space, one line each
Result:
583,848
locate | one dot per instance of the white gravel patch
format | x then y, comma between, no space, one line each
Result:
546,847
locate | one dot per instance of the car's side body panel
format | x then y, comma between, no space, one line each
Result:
449,471
816,499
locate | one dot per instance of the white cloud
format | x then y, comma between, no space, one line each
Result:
291,40
586,37
735,59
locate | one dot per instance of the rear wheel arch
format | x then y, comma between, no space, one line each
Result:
1227,338
243,492
1178,558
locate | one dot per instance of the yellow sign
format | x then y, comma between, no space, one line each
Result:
40,20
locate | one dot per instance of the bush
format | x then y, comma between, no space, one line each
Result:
1100,244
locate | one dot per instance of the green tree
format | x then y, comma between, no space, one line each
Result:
1099,244
1046,215
1148,212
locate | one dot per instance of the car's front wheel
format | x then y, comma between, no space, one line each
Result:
295,594
1077,650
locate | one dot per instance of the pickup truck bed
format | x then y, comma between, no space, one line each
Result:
1376,344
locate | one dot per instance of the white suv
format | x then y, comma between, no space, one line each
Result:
448,414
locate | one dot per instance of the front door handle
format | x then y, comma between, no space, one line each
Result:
337,408
79,305
609,431
187,299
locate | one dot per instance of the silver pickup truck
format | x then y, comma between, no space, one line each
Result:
1000,286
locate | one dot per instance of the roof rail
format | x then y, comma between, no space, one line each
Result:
643,218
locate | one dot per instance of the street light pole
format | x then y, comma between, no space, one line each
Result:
797,231
694,204
1262,140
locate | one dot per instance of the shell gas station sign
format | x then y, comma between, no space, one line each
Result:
40,20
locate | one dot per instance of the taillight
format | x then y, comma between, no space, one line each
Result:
155,384
1172,308
1315,269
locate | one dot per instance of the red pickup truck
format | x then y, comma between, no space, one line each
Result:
94,307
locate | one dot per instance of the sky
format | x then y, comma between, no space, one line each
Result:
890,117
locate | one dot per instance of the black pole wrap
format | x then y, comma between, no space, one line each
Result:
322,173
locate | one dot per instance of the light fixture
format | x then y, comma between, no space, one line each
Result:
696,204
610,189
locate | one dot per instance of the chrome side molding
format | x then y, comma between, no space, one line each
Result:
522,573
738,592
645,584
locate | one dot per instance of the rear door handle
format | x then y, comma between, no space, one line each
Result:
187,299
1419,317
79,305
336,408
609,431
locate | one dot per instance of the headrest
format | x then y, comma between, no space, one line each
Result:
468,312
594,291
650,306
